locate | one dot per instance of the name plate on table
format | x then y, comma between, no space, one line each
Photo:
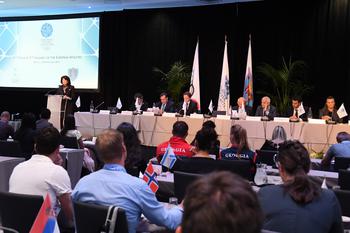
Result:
223,117
281,119
127,113
169,114
104,111
148,113
197,116
316,121
253,118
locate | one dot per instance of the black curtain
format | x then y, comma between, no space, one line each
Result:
132,42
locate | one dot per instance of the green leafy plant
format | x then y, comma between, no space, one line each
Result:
177,78
286,82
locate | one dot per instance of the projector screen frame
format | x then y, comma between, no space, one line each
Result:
57,17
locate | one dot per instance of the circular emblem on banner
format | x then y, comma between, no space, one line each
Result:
46,30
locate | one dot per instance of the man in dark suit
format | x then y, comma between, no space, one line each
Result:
266,109
295,111
139,104
165,105
188,106
242,107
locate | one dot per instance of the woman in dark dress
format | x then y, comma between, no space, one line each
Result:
26,135
67,91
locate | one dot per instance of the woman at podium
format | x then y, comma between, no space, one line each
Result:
68,95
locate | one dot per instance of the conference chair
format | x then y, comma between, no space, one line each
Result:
69,142
10,148
344,200
18,211
91,218
344,179
341,163
266,157
181,181
241,167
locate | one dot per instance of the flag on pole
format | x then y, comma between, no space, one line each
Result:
169,157
45,221
211,107
324,184
342,111
248,81
301,109
77,103
224,94
119,104
150,177
195,87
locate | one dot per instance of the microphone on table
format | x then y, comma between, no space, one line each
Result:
96,110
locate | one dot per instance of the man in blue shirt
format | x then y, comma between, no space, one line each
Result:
113,186
341,149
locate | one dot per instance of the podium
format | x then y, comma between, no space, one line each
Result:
54,104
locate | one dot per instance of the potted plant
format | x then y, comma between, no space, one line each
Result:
176,79
286,82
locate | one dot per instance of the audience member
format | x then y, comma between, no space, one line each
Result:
266,109
298,205
165,105
221,202
113,186
278,136
240,147
329,111
177,142
203,140
26,135
43,122
215,145
40,174
135,161
6,130
341,149
70,130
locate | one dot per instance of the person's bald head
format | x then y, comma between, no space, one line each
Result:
5,116
110,146
240,102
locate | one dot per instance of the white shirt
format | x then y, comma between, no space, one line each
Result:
39,176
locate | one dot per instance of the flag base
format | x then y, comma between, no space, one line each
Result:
330,122
294,120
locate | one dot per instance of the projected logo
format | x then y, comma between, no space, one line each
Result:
46,30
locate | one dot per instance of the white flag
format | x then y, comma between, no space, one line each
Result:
224,94
119,104
196,94
301,109
77,103
211,108
342,111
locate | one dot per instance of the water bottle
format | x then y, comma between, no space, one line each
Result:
309,113
92,106
154,107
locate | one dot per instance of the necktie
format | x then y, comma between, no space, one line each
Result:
163,107
296,113
186,106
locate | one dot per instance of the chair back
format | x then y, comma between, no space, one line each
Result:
91,218
344,201
341,163
344,179
181,181
266,157
69,142
10,148
18,211
241,167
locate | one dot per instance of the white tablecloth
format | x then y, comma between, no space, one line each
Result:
154,130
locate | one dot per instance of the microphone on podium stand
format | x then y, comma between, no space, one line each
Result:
49,92
96,110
